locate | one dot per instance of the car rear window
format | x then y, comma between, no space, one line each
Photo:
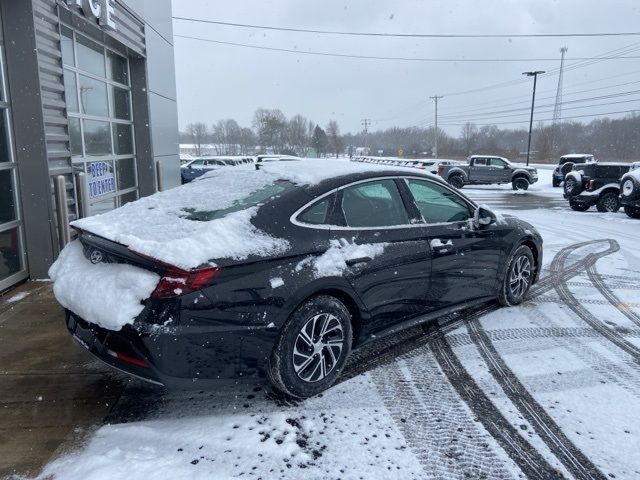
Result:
317,214
255,198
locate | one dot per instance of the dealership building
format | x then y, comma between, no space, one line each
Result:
88,119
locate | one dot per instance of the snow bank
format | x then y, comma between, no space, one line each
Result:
333,262
106,294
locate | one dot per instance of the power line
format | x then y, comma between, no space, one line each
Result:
406,59
409,35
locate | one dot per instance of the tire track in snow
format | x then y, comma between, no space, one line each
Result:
602,287
528,459
436,425
543,424
557,266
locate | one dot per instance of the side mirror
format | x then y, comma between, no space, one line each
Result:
484,217
506,167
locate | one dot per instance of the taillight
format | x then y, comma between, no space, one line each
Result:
590,185
440,169
128,359
175,281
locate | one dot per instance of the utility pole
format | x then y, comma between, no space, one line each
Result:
435,98
365,123
557,109
533,102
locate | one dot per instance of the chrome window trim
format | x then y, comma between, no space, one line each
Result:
293,219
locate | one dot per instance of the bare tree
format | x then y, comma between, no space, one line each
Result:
336,143
469,137
198,132
271,127
298,136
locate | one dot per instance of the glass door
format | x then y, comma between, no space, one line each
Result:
12,258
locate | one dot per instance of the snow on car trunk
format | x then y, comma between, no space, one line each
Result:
107,294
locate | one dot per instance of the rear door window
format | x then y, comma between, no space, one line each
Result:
480,162
374,204
437,203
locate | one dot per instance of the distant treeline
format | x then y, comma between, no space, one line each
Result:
608,139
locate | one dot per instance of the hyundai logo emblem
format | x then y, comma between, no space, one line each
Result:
96,257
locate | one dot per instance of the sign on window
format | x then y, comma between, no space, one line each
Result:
101,179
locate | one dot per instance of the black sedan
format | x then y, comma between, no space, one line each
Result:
368,253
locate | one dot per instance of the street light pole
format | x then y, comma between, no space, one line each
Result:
533,101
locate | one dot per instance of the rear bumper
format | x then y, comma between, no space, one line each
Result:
583,199
179,360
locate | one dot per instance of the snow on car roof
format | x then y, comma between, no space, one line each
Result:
159,225
577,155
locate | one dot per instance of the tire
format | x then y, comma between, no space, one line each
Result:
608,202
579,207
566,168
287,370
633,212
520,183
571,186
456,181
555,182
518,277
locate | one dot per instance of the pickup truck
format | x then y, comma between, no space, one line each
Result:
485,170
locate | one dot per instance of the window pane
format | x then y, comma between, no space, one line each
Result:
122,139
128,197
7,201
438,204
316,214
118,71
4,139
97,137
90,56
126,173
373,204
497,162
66,40
75,136
71,91
120,106
93,97
9,253
102,207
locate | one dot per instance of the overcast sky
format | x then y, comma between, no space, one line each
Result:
222,81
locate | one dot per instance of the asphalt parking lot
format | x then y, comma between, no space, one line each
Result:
548,389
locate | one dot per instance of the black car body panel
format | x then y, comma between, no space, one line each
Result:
227,330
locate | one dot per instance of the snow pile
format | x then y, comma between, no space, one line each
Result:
276,282
17,297
106,294
333,262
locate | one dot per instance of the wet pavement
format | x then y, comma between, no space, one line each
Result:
51,392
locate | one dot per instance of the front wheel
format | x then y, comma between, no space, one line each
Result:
312,349
518,278
555,182
609,202
520,183
456,181
633,212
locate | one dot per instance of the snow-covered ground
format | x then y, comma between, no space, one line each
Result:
547,389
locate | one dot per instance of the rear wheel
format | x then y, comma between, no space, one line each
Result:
312,349
609,202
456,181
633,212
520,183
555,182
518,278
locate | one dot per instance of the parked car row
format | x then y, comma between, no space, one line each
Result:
607,185
429,165
200,165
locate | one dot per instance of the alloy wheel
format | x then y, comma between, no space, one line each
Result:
318,347
520,277
610,204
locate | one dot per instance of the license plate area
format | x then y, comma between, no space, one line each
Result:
84,336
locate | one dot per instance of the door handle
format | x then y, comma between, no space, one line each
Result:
354,261
438,245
